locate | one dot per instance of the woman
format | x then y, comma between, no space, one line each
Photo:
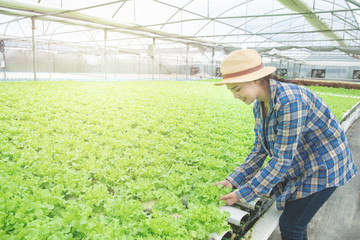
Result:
309,154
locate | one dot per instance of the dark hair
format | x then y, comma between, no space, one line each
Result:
279,79
264,82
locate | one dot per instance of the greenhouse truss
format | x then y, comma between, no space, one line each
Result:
176,33
170,36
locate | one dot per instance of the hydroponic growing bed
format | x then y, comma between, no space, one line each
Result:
117,160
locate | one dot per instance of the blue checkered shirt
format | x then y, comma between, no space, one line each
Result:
307,147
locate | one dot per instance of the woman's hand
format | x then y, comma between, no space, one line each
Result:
225,184
230,198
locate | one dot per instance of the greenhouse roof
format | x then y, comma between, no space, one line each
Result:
298,30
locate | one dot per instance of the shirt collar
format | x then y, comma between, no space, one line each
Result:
273,84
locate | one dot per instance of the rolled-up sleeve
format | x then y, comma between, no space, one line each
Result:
291,121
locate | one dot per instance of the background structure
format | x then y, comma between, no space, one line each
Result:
152,39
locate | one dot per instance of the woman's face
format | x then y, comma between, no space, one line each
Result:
246,91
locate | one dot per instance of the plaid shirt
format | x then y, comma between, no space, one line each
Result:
307,148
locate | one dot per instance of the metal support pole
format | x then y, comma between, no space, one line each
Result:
85,63
177,66
53,62
204,70
49,68
153,59
33,46
159,66
139,65
212,63
117,66
187,61
105,55
25,60
288,68
3,64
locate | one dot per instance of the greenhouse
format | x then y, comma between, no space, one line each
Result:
112,126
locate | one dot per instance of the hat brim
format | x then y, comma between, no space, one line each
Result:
248,77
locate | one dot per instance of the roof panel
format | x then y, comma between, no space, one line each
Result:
227,24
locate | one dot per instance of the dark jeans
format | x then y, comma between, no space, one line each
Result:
298,213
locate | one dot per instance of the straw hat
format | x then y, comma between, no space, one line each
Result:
243,65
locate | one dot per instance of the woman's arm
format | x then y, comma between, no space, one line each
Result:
292,118
251,166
